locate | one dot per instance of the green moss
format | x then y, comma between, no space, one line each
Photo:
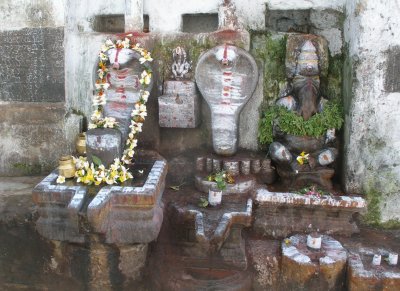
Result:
28,169
373,215
331,86
270,52
194,47
391,224
291,123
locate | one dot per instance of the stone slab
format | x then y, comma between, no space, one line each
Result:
32,65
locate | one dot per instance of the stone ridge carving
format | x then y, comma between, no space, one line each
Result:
226,77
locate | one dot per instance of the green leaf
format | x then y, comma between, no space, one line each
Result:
203,202
96,160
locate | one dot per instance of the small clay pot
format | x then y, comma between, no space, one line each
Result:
80,143
66,167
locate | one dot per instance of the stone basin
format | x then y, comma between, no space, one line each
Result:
121,214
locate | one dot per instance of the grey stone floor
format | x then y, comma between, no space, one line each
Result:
16,197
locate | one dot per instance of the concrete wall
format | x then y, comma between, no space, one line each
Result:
372,99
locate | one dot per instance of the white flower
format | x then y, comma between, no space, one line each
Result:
102,86
109,43
103,56
145,95
92,126
96,115
145,78
60,180
100,73
110,180
109,122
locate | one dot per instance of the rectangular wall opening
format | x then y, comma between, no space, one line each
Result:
201,22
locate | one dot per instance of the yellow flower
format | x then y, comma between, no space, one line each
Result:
303,158
60,180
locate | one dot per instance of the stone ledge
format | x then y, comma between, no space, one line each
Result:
266,197
282,214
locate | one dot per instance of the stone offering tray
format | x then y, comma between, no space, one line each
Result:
212,225
122,214
364,276
280,214
304,268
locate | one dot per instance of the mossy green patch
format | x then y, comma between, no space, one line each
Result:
28,169
270,51
373,215
331,86
291,123
194,47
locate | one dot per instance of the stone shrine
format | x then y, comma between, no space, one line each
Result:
315,155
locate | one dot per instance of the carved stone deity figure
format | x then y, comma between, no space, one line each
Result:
304,160
180,66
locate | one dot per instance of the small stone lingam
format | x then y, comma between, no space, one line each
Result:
304,160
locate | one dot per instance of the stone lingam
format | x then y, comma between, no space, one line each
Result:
303,160
124,217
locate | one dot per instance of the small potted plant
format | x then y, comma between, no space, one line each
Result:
215,193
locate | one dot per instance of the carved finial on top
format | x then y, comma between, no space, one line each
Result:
180,66
227,16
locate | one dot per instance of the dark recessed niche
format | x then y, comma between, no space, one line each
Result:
202,22
392,84
146,23
109,23
288,20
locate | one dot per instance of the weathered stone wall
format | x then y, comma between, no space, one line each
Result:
36,127
372,101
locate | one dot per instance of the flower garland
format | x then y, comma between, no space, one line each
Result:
96,173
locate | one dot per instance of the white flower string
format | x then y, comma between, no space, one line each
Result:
117,172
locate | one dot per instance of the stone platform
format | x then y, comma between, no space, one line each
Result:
281,214
122,214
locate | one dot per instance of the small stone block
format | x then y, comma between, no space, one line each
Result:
104,143
181,88
179,111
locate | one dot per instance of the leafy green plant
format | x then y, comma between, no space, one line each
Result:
203,202
221,178
291,123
